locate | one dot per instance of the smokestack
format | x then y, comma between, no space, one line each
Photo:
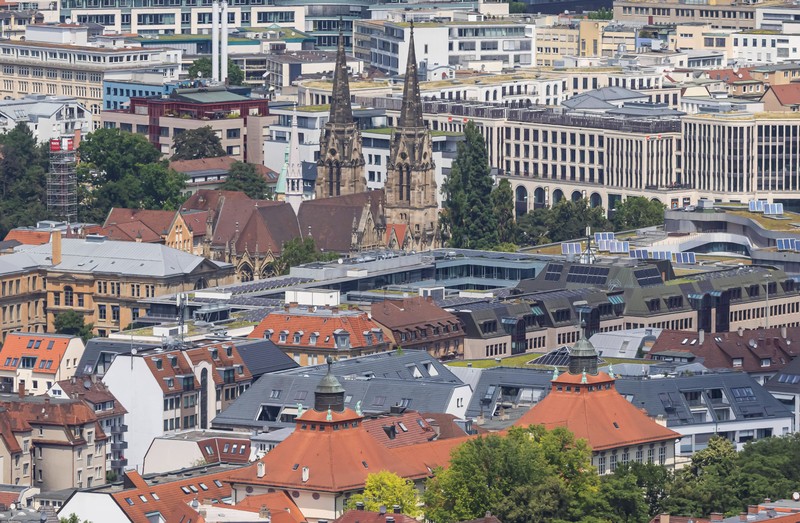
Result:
215,41
55,242
224,65
21,388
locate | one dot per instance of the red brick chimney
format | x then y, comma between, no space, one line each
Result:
752,509
21,388
715,516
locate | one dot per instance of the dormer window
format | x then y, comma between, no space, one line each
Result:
312,338
174,361
282,337
297,336
214,354
170,383
341,339
268,334
368,337
229,351
159,364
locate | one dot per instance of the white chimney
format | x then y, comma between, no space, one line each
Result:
305,474
215,41
223,77
260,469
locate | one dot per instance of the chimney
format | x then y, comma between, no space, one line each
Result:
715,516
783,332
55,242
389,519
752,509
260,469
359,505
701,336
21,388
264,513
663,518
305,474
396,509
743,516
740,331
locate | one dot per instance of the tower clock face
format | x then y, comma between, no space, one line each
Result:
403,155
332,152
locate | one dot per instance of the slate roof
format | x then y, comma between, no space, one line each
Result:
625,343
44,347
262,357
115,257
268,228
787,379
665,397
488,390
719,350
331,219
102,351
603,417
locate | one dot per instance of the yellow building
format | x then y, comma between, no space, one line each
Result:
103,280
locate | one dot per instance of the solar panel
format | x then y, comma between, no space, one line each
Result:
685,257
640,254
619,247
571,248
773,208
602,245
756,205
661,255
601,236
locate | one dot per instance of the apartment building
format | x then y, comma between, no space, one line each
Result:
53,443
46,116
703,37
13,23
62,60
760,46
174,390
477,44
181,230
34,362
238,120
109,411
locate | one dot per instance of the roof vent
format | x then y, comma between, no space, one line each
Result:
96,238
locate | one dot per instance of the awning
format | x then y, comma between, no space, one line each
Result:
537,310
617,299
696,296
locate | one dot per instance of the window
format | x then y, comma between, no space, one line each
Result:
68,296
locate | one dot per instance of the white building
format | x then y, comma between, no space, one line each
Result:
767,47
46,116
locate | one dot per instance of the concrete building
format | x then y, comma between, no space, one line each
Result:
46,116
284,68
183,450
724,16
760,46
62,60
32,363
239,121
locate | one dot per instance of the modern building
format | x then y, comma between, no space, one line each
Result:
51,444
239,121
187,449
62,60
733,16
284,68
174,390
110,415
47,117
785,387
32,363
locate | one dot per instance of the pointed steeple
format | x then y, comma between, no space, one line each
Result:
294,170
341,110
411,112
280,186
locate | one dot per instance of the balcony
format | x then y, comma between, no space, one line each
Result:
121,445
119,429
119,463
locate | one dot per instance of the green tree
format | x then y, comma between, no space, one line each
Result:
603,13
530,475
120,169
568,220
623,499
637,211
503,209
194,144
72,323
245,177
706,485
387,489
516,8
533,227
202,68
73,518
23,177
299,251
467,214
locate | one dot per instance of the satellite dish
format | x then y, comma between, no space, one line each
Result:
87,384
752,343
134,352
796,496
340,261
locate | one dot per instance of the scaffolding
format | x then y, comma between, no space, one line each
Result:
62,181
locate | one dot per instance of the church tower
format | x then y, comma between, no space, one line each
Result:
411,177
340,168
294,169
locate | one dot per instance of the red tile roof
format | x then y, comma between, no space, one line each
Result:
787,94
282,508
222,360
170,499
95,392
225,450
396,231
28,237
157,221
48,350
412,313
202,164
729,76
409,428
323,325
173,368
23,413
7,498
365,516
718,350
602,417
7,432
196,221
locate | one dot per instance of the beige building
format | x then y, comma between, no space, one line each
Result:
718,13
57,444
34,362
703,36
61,60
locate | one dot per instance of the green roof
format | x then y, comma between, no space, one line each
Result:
213,97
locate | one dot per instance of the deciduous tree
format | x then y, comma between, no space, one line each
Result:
637,211
194,144
202,68
387,489
245,177
72,323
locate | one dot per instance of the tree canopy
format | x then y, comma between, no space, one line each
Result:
245,177
72,323
298,251
387,489
637,211
202,67
121,169
194,144
566,220
23,179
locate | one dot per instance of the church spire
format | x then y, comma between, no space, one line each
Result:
294,171
411,112
341,110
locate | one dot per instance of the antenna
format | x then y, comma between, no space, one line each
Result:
588,255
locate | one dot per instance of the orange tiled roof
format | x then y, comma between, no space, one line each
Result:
170,499
409,428
206,353
602,416
364,516
47,349
322,325
96,393
26,412
729,76
282,508
170,368
28,237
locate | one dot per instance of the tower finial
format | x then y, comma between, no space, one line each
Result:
411,112
341,109
555,372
